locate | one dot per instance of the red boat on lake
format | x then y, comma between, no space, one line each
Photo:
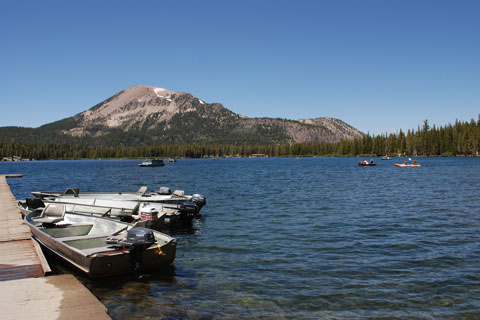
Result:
365,163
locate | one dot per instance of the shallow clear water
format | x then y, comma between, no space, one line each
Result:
297,238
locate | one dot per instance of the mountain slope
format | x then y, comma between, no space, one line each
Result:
143,115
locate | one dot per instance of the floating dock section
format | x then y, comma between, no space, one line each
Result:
25,291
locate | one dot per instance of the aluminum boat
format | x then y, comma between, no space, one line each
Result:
100,247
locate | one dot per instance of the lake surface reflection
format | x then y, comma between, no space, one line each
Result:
297,238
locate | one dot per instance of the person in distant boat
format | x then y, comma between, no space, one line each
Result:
414,161
371,161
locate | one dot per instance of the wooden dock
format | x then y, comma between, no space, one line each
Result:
24,290
20,256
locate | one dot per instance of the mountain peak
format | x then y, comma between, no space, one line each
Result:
137,105
147,90
152,115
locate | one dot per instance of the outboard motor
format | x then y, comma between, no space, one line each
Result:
149,213
171,218
164,191
189,207
188,211
139,239
200,199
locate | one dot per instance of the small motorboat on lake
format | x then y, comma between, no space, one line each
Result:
365,163
407,165
150,215
98,246
152,163
386,158
174,200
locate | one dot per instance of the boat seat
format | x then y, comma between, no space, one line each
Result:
72,191
178,193
52,214
83,237
100,250
142,191
93,236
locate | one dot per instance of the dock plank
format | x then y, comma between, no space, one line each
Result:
11,222
16,244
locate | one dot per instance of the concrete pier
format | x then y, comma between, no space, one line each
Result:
25,292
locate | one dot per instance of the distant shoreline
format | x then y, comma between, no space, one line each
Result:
248,157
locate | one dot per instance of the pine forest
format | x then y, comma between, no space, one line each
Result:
458,139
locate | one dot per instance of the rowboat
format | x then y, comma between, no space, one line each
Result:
100,247
362,164
365,163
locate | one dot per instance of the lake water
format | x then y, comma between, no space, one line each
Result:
297,238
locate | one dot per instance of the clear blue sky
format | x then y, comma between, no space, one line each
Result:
378,65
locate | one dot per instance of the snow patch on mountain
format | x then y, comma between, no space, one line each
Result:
158,90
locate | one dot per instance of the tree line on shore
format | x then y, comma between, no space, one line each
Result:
458,139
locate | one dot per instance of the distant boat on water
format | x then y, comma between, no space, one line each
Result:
408,163
152,163
386,157
365,163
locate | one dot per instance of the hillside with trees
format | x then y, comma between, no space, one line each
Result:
458,139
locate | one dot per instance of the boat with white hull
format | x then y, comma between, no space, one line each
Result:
164,195
152,163
153,215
